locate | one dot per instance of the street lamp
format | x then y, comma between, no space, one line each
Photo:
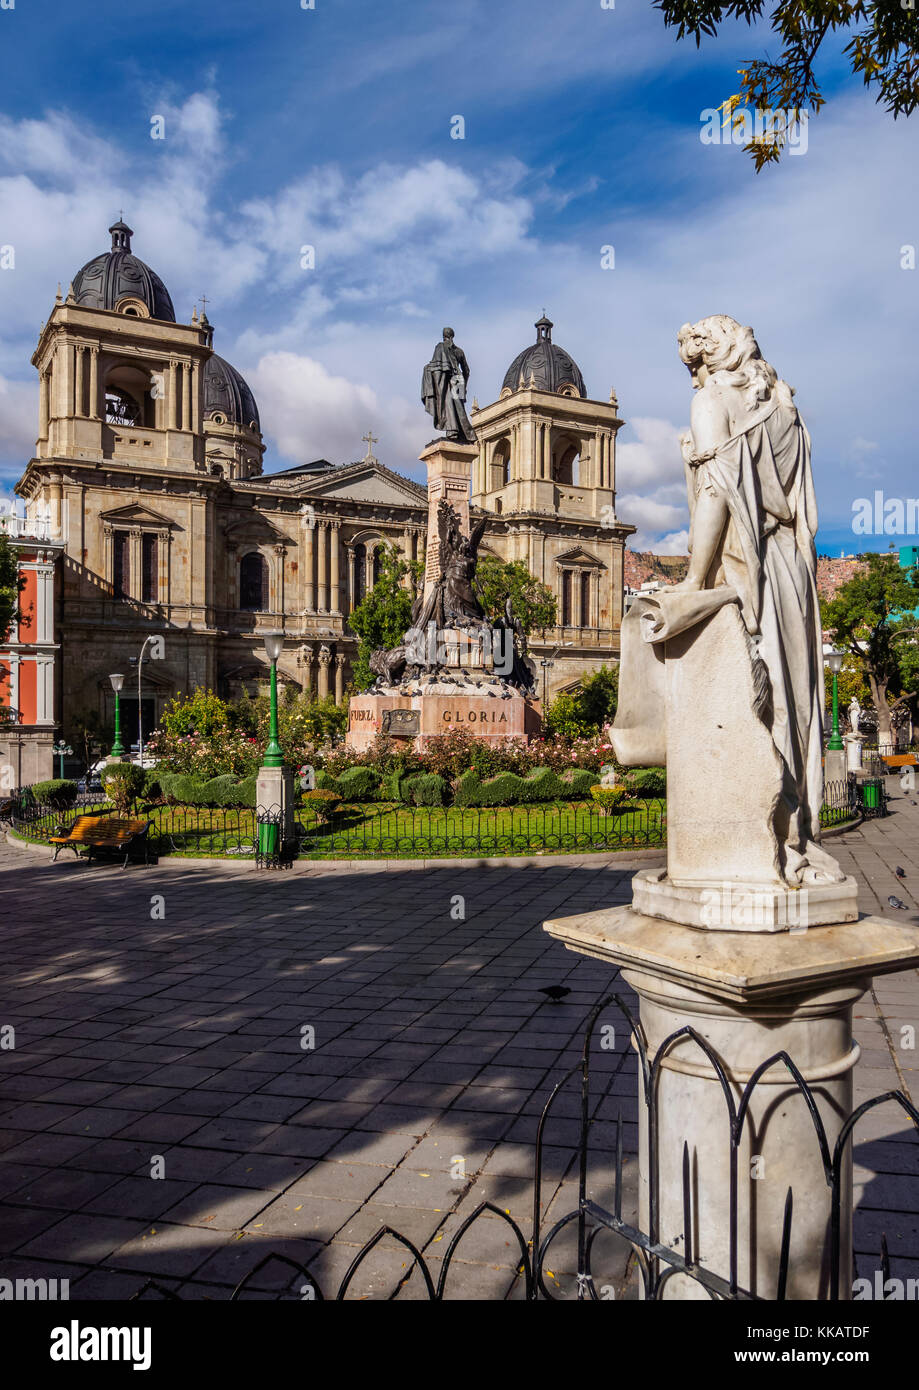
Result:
274,645
61,750
139,660
117,747
545,663
834,661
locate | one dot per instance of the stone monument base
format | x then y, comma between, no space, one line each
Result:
740,906
748,997
493,713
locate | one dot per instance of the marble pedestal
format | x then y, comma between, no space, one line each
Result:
274,789
749,996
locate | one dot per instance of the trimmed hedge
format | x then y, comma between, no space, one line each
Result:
123,783
325,782
646,781
185,790
358,783
423,789
58,792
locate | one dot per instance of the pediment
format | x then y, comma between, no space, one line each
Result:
363,482
257,528
580,556
134,514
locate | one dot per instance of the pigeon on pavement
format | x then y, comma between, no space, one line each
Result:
555,992
895,902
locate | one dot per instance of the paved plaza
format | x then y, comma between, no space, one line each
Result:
213,1064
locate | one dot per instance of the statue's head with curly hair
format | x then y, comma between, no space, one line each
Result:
731,354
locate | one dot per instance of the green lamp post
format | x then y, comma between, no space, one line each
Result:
274,645
834,661
117,747
61,751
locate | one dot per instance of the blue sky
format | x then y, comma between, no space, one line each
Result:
331,127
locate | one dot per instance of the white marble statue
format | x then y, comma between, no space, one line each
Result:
754,518
855,714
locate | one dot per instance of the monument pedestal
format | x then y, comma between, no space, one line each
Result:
274,794
748,996
436,710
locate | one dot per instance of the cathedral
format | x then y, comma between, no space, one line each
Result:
148,510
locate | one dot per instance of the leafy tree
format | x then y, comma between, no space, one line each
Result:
499,580
200,712
871,617
384,614
599,696
883,49
10,585
583,712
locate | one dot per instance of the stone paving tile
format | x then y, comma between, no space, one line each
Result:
433,1044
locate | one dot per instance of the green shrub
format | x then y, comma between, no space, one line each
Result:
214,792
358,783
503,790
646,781
323,803
185,789
424,789
608,798
123,783
153,787
325,782
246,791
58,792
392,785
542,785
578,782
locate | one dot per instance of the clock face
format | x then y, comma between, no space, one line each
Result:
121,409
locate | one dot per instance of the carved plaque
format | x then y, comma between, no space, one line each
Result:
401,723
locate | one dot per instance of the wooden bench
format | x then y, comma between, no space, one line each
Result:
898,760
104,833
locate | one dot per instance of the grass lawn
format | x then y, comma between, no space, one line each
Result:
375,830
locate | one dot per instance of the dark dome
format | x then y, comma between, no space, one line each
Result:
552,367
117,275
227,393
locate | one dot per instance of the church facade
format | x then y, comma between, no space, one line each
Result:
149,489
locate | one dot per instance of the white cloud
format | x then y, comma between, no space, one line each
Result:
314,414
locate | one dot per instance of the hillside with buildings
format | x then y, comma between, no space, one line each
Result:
643,567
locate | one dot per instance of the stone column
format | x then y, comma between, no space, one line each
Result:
449,468
78,382
94,383
186,395
171,408
280,553
43,404
322,597
335,604
325,658
853,744
308,567
339,678
351,597
136,565
306,662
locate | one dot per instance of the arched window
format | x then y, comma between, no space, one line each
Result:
500,471
253,583
565,466
377,563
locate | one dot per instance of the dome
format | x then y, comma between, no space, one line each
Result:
119,280
550,366
227,394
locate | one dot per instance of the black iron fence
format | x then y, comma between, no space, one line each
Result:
376,831
654,1263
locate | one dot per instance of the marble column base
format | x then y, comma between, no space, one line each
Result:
746,907
748,996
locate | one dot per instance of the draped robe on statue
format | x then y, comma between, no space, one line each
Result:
767,564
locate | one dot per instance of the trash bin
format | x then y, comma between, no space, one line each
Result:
871,793
269,835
